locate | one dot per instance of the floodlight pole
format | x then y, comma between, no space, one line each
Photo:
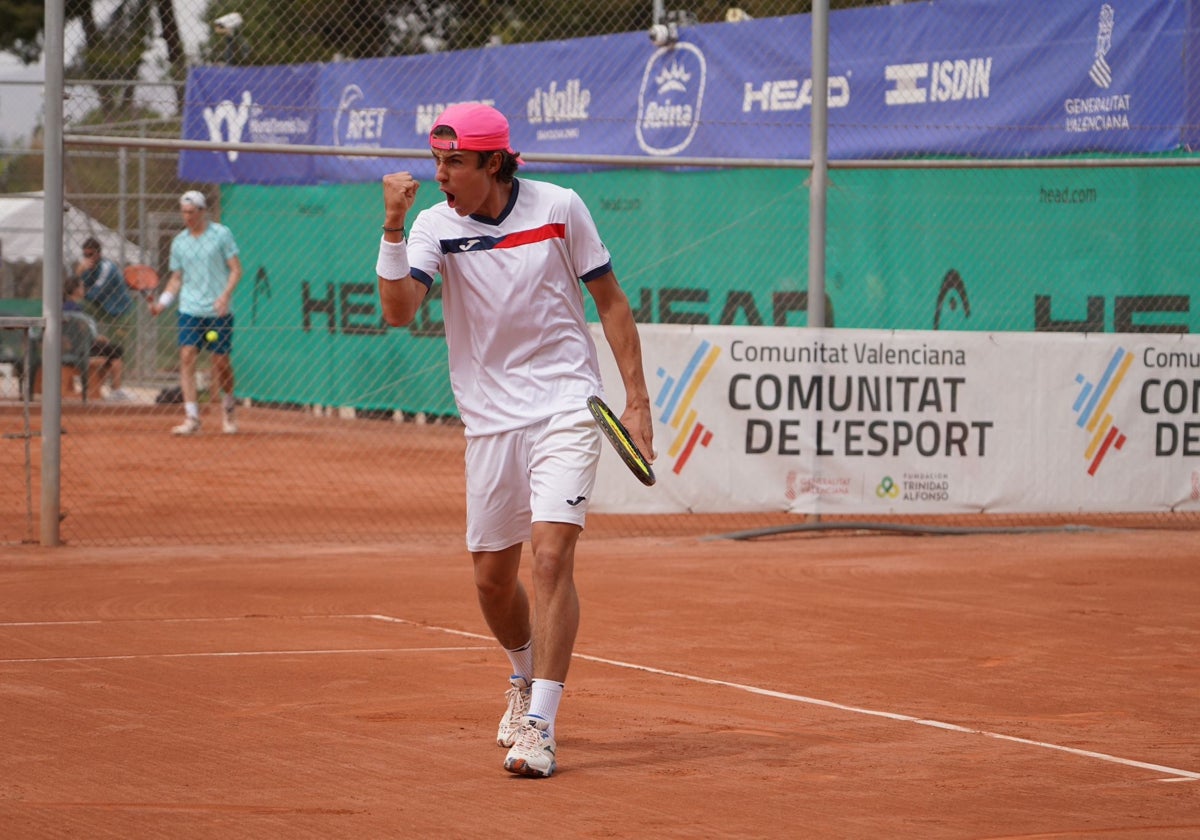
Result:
819,178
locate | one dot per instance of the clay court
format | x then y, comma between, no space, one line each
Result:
843,684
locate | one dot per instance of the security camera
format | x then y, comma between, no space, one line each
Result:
226,24
663,34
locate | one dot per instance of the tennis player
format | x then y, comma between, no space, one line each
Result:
205,269
514,256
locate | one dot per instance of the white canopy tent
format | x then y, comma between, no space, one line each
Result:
22,237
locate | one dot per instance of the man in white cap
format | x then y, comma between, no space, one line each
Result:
514,256
205,269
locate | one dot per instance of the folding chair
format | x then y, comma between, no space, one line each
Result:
78,336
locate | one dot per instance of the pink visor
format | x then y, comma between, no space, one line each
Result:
479,128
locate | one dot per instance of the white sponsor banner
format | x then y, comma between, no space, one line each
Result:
756,419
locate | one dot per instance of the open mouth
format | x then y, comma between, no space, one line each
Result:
449,198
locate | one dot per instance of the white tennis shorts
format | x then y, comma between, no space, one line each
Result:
541,473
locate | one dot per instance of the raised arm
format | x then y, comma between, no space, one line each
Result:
399,294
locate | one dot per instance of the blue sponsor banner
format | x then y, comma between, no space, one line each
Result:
963,77
1191,137
251,105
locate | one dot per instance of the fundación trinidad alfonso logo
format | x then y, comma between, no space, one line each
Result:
675,399
887,488
1091,406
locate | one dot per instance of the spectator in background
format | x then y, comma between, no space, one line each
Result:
104,289
205,269
103,348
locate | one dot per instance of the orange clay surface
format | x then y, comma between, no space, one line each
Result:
845,686
827,685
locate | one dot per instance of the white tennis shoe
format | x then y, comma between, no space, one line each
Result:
190,426
229,424
533,751
518,706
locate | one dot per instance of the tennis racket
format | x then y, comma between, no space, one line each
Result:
142,279
619,437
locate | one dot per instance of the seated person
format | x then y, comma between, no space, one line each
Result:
104,287
112,353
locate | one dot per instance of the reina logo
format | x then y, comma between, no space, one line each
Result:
670,99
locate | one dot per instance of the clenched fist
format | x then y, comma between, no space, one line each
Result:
399,193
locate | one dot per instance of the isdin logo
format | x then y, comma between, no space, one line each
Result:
675,399
952,80
227,122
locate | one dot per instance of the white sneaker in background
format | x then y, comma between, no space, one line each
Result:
190,426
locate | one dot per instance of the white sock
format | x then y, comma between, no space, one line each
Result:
192,410
228,402
521,660
544,701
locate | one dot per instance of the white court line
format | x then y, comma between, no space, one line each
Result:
226,653
1177,774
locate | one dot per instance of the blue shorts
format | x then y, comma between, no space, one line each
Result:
194,332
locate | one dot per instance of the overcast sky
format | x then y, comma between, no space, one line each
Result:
20,104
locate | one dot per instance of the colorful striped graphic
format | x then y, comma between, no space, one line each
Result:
1091,406
675,401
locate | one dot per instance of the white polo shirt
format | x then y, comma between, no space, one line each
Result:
512,302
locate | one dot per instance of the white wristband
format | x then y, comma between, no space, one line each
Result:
393,260
166,299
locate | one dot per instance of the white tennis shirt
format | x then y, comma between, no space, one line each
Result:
512,302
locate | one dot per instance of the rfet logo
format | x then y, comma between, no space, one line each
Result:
1091,406
354,123
670,99
675,400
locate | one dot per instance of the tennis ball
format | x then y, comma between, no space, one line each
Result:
211,336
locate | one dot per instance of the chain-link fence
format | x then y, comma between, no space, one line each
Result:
992,167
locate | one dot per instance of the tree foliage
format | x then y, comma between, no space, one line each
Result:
297,31
21,23
350,29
